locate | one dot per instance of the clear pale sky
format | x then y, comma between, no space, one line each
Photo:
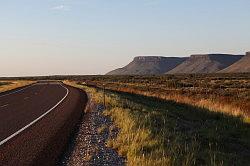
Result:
47,37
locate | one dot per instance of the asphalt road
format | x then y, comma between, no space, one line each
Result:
37,121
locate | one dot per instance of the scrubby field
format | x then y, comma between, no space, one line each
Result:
10,85
221,93
163,122
174,119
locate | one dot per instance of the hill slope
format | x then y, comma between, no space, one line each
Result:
206,63
148,65
241,66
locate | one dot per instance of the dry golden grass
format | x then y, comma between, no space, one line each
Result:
131,138
101,129
211,103
13,84
229,94
157,132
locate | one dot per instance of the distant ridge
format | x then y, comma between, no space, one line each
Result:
241,66
206,63
148,65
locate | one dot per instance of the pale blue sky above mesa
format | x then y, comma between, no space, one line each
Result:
95,36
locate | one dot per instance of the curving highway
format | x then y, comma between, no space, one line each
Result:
36,122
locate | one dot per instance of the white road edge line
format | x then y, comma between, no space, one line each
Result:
17,90
36,120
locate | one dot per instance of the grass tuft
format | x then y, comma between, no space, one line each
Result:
162,132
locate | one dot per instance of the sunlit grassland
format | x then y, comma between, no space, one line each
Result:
162,132
229,94
10,85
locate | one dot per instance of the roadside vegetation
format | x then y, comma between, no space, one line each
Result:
10,85
154,131
227,93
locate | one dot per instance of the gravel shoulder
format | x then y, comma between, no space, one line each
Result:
88,146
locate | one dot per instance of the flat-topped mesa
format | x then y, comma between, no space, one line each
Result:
200,57
149,58
203,55
194,56
206,63
148,65
211,56
241,66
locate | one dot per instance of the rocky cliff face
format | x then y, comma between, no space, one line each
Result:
141,59
206,63
148,65
241,66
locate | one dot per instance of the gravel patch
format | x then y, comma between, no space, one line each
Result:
88,147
